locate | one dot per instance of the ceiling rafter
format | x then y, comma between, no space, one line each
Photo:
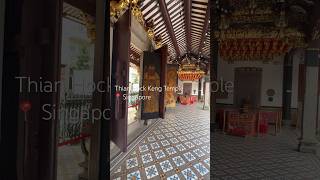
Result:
205,29
187,12
85,6
180,24
166,18
195,56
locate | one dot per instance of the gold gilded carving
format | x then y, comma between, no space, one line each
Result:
118,8
91,27
152,80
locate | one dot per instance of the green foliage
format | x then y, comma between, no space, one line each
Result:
83,62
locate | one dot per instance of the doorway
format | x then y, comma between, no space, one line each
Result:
75,98
187,89
246,77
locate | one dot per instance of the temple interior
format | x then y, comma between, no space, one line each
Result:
245,80
174,89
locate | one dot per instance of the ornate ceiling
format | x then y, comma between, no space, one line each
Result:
247,27
182,24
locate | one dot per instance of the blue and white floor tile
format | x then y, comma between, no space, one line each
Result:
177,148
263,158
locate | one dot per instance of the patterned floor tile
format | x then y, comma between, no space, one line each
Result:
171,150
151,171
159,154
189,156
178,161
166,166
133,162
154,145
143,148
176,148
134,175
173,177
189,174
261,158
201,169
146,158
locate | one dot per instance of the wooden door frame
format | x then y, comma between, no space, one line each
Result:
120,76
99,144
163,79
36,136
10,148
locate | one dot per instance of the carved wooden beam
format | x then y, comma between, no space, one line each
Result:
205,28
187,13
167,21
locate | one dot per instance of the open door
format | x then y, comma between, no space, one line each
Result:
153,81
120,72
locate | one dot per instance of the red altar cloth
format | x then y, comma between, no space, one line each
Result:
185,100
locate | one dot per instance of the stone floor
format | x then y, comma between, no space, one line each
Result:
69,157
261,158
177,148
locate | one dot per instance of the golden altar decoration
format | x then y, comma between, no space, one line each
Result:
190,72
256,30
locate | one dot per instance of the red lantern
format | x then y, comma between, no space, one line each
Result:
25,106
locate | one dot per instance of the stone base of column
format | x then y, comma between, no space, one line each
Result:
310,146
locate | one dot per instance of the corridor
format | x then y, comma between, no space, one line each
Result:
178,147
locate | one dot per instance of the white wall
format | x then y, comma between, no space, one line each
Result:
272,76
73,33
139,36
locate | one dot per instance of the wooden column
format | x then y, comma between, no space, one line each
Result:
199,89
214,48
99,141
287,88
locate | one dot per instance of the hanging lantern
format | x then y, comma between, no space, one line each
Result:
189,72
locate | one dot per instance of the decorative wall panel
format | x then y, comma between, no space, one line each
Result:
151,83
170,98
